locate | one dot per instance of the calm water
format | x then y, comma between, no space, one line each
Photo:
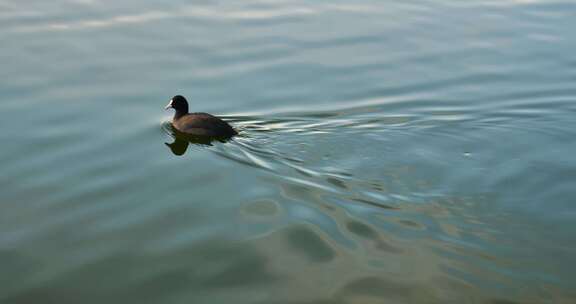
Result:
390,152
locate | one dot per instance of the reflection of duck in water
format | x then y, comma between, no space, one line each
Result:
197,124
182,140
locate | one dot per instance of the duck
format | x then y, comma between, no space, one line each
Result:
197,124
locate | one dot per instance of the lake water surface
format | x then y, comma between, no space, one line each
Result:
389,152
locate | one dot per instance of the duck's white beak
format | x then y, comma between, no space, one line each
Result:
169,105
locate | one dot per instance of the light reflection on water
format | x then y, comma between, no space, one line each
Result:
414,152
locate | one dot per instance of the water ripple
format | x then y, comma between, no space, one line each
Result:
413,152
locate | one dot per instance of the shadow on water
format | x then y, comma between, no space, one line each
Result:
183,140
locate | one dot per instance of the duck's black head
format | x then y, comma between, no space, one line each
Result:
179,104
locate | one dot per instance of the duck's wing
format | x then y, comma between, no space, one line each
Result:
204,121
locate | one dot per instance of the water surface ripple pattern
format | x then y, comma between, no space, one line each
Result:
389,152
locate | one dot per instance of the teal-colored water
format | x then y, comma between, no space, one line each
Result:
390,152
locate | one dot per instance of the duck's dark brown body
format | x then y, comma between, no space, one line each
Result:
198,124
203,124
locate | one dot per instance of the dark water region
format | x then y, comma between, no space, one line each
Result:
389,152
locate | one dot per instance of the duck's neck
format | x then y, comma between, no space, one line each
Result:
180,113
